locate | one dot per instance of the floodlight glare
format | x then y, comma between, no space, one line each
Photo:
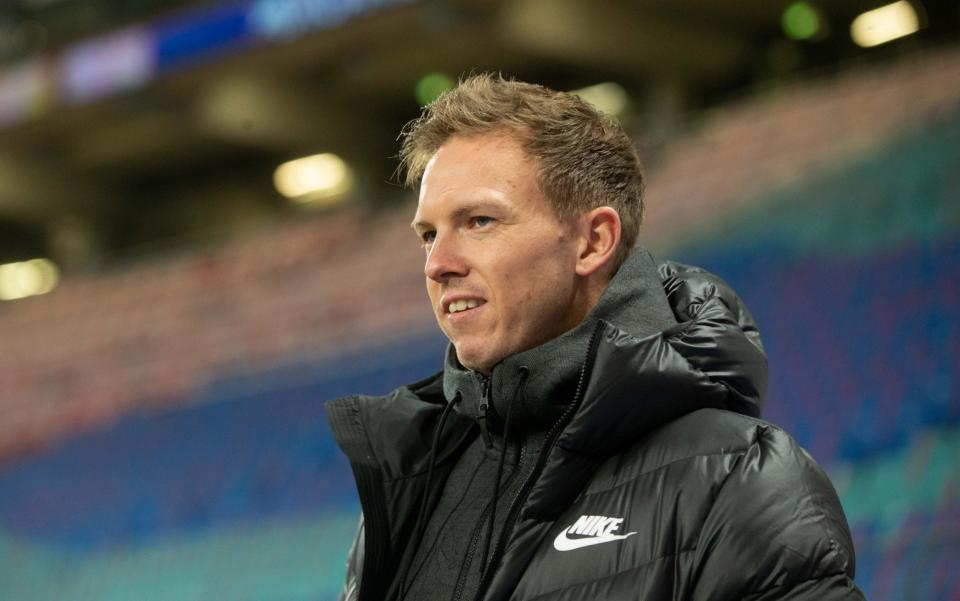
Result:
319,178
884,24
27,278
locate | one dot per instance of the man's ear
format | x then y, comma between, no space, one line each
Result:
599,240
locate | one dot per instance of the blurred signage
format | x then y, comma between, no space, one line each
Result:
106,65
128,59
291,18
200,34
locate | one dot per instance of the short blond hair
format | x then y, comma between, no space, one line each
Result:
585,159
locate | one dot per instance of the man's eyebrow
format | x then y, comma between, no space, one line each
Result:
417,225
460,212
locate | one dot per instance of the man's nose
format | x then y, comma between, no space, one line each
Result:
445,260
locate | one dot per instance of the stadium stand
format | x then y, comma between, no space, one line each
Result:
164,437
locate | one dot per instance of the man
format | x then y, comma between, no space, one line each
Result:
593,432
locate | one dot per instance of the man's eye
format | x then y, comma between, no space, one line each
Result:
427,237
482,221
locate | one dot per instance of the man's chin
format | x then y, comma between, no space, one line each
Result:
474,361
482,368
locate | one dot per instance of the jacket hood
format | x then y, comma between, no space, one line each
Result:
712,358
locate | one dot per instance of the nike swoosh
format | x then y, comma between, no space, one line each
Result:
562,543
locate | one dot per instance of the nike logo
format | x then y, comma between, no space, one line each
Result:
592,530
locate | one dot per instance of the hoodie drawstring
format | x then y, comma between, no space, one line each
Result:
524,372
421,523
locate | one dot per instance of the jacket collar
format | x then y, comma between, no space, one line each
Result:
541,381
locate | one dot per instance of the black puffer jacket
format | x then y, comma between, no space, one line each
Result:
655,482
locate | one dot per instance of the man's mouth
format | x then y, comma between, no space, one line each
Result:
464,304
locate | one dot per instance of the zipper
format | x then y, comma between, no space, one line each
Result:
477,533
482,408
548,443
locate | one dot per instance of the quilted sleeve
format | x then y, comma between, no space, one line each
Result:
776,530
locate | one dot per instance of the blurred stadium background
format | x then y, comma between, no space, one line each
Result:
201,241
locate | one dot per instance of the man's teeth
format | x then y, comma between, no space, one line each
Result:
463,305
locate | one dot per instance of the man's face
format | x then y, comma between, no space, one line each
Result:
500,265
